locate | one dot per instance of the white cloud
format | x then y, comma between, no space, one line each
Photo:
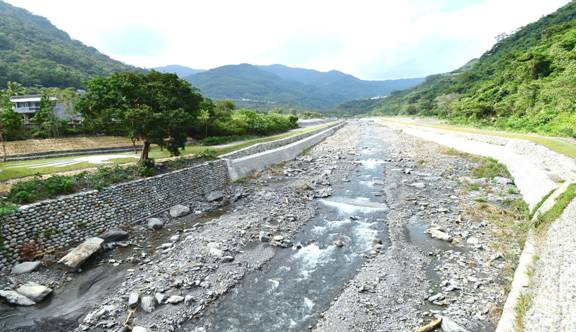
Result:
374,39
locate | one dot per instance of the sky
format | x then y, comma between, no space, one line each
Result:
371,39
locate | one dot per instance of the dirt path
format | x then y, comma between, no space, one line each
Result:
398,276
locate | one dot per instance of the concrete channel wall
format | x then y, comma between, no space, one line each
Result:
240,167
57,224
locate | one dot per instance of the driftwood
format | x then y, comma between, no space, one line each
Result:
433,325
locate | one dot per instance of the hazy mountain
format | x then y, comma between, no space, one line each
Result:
35,52
278,85
181,71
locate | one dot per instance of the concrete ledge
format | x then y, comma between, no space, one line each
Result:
521,281
238,168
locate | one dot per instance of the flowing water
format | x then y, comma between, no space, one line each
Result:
293,288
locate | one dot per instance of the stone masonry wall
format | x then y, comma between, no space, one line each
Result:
62,222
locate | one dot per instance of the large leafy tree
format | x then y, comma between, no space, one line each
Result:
155,108
10,121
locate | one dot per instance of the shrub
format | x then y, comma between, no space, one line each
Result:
146,168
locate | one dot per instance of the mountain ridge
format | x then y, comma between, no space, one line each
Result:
35,52
279,85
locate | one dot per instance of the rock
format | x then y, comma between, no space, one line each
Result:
113,235
25,267
94,316
179,211
448,325
81,253
123,329
264,237
133,299
418,185
34,291
227,259
436,297
148,303
339,243
139,329
174,238
503,181
472,240
175,299
188,299
436,233
160,297
323,192
278,238
155,223
215,196
15,298
214,249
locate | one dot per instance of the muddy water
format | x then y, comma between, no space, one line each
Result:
295,286
69,303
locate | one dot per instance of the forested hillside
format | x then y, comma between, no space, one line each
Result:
527,81
35,52
282,86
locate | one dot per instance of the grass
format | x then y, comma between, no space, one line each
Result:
19,169
522,306
537,206
562,146
544,220
490,168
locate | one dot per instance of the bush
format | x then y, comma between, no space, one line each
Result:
146,168
209,154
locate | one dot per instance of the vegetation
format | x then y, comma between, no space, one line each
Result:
490,168
154,108
556,211
35,53
526,82
10,121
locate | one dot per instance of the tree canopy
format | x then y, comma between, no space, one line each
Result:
154,108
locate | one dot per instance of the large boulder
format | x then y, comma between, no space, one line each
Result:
34,291
155,224
113,235
15,298
179,211
81,253
215,196
148,303
25,267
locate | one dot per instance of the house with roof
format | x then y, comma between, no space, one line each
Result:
28,105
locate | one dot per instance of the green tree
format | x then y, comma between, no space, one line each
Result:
204,119
155,108
45,118
10,121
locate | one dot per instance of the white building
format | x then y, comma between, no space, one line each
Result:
29,105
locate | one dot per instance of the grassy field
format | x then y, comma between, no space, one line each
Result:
19,169
563,146
62,144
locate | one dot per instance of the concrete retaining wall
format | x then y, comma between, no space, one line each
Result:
238,168
257,148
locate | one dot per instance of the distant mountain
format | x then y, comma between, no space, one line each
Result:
35,52
278,85
181,71
526,82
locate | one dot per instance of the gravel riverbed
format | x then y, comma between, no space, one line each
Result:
178,273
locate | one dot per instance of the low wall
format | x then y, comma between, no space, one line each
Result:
261,147
238,168
59,223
